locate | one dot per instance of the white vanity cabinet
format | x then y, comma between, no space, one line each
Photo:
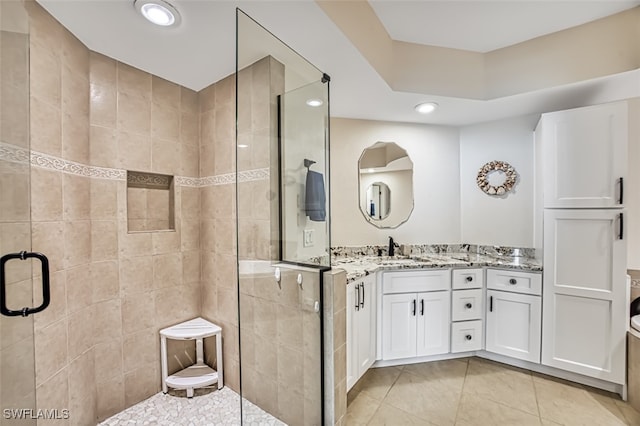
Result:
361,327
514,314
584,156
415,313
467,310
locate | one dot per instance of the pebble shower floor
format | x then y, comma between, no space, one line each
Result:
208,408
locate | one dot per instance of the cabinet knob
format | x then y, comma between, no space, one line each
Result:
468,306
513,281
469,278
468,337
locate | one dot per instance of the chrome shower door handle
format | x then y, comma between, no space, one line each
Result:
46,293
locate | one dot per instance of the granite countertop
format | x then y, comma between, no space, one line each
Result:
359,266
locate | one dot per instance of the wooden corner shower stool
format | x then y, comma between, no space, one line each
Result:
199,374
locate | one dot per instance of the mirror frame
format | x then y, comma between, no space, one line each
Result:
375,222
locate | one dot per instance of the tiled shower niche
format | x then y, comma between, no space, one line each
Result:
150,202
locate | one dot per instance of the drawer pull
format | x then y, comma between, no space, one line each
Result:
469,278
468,306
468,337
513,281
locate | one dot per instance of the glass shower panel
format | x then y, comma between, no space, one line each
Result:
17,364
303,154
279,275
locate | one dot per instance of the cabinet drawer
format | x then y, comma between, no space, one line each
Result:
514,281
416,281
466,305
466,336
467,278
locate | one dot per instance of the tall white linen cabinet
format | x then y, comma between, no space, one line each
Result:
581,167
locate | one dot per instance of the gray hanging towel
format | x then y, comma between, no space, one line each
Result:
315,198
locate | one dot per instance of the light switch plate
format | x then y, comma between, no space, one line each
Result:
308,238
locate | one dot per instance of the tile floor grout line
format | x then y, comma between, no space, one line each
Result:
464,381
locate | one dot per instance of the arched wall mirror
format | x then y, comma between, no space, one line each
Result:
385,185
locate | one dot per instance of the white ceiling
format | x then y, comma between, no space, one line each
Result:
202,50
483,26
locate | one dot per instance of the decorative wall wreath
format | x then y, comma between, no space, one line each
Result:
497,166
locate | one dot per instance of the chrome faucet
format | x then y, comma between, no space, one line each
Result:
392,247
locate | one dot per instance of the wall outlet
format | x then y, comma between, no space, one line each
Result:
308,238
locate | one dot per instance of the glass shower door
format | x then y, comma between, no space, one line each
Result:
17,359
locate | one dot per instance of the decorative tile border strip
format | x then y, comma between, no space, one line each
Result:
46,161
13,153
50,162
148,180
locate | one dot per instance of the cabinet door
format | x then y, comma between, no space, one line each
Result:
585,293
352,364
399,326
584,156
433,323
366,326
513,325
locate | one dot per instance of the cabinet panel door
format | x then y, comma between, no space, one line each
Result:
584,155
366,327
585,293
398,326
433,323
513,325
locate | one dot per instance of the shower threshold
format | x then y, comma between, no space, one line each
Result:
209,407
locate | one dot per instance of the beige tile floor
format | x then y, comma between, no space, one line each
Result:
477,392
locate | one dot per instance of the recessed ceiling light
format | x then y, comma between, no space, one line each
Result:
426,107
314,102
158,12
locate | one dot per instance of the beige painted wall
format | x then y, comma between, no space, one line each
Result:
632,187
434,151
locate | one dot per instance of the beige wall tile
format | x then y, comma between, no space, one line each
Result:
107,323
104,201
102,70
75,55
76,197
46,195
57,309
77,243
189,101
132,244
103,101
104,240
105,281
108,360
48,238
190,234
167,270
134,81
110,397
207,98
46,127
75,92
54,393
226,275
191,266
46,75
165,93
82,390
140,349
141,384
75,138
134,113
81,335
225,90
189,160
79,288
136,274
166,242
189,129
165,122
50,350
165,156
103,147
228,306
138,312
